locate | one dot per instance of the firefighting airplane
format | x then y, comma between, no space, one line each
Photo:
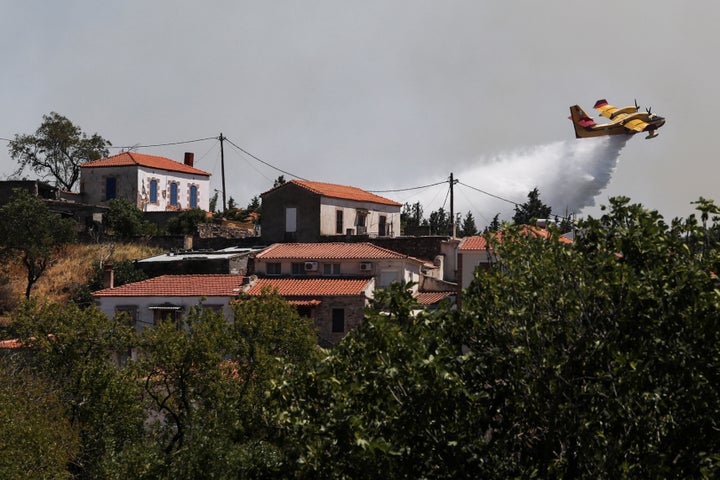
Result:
628,120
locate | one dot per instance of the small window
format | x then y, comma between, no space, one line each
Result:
153,191
338,320
382,226
298,268
290,219
273,268
339,221
331,269
110,188
193,196
173,194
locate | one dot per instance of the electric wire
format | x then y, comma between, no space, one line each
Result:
263,161
133,147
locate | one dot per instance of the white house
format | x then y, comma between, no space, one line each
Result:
338,259
153,183
149,301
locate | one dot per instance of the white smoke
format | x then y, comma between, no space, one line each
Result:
569,175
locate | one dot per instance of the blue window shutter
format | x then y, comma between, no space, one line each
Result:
110,188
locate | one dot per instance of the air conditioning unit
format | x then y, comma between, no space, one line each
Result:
366,267
311,266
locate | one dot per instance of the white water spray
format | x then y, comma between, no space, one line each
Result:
569,175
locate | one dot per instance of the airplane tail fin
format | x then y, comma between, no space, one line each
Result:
582,122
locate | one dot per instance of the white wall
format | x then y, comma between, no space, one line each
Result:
145,316
165,178
133,184
329,207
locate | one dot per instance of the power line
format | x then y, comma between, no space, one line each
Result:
132,147
489,194
263,161
408,189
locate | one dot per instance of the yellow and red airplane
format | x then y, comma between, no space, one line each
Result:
627,120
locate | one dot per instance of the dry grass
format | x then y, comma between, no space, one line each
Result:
71,266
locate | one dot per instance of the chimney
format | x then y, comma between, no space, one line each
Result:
108,276
189,159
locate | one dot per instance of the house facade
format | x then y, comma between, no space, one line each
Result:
336,305
338,259
154,184
305,211
150,301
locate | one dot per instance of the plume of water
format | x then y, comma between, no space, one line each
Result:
569,174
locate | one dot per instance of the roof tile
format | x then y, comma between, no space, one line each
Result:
127,159
311,287
339,191
328,251
221,285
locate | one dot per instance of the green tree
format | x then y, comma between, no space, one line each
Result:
439,222
389,401
411,216
187,221
75,352
213,202
57,149
208,383
37,439
494,225
124,271
600,359
124,220
468,227
532,210
279,181
31,230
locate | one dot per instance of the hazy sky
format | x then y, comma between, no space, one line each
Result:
382,94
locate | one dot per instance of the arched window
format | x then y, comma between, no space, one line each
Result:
174,194
193,196
153,191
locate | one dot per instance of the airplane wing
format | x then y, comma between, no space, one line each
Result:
612,112
635,125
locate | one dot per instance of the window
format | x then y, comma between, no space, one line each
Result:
273,268
130,310
193,196
174,194
331,269
153,191
290,219
338,320
382,226
298,268
110,188
339,221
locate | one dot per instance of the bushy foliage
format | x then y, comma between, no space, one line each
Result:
29,228
57,149
125,221
187,221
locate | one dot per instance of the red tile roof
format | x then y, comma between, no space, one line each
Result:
221,285
311,287
329,251
431,298
129,159
479,242
339,191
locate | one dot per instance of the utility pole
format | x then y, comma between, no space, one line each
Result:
222,170
452,206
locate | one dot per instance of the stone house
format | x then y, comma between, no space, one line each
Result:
305,211
336,305
154,184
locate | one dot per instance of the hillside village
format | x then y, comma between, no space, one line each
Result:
322,341
324,247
